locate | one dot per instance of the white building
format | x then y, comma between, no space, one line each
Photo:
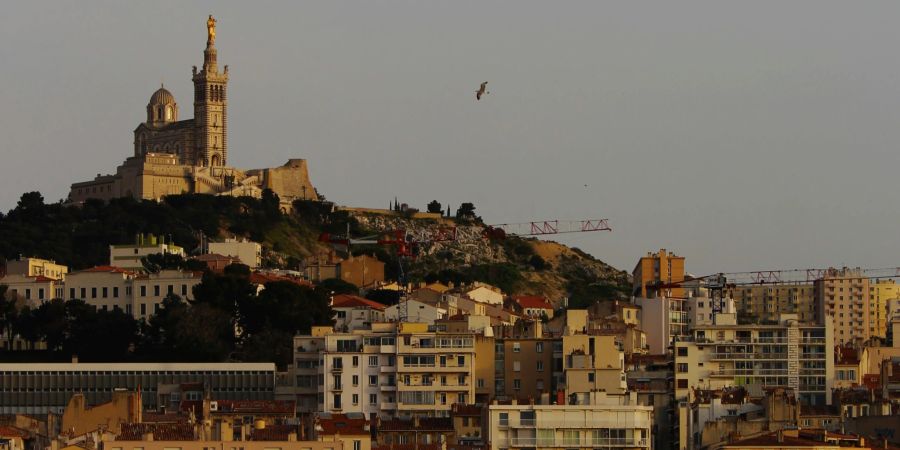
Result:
249,252
33,290
149,291
354,313
664,320
128,256
607,421
416,311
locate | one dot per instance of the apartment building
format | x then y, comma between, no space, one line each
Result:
764,303
140,295
249,252
604,421
664,320
128,256
36,267
392,370
844,295
104,287
149,291
592,363
352,312
39,388
527,362
660,267
34,290
790,354
881,292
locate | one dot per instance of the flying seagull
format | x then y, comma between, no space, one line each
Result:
481,91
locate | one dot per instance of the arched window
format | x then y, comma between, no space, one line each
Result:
215,160
169,113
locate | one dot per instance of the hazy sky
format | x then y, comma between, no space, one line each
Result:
744,136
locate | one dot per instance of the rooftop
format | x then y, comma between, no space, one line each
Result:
352,301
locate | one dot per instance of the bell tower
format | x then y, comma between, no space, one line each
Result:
210,102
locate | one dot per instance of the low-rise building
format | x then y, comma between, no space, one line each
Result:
534,306
353,312
39,388
607,421
128,256
36,267
248,252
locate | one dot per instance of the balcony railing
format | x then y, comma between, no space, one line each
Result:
583,442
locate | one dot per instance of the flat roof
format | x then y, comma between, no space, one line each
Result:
138,367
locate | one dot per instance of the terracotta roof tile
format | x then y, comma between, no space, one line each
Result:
352,301
340,423
161,431
532,301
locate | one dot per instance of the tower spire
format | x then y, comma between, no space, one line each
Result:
209,55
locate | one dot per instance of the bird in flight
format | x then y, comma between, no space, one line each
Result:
481,91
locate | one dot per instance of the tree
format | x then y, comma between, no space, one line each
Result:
52,323
335,286
8,315
537,262
435,207
466,211
162,261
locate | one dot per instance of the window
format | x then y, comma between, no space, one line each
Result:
591,377
183,289
539,347
682,384
479,383
516,347
337,401
337,381
105,292
373,380
143,291
93,292
517,384
682,367
71,293
540,366
460,361
116,292
461,379
373,399
356,361
682,351
355,399
156,290
357,445
41,293
355,380
461,398
373,361
540,385
503,419
517,367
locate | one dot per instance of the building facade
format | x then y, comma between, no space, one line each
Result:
606,421
38,388
661,267
791,354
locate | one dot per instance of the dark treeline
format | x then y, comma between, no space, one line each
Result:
226,321
80,236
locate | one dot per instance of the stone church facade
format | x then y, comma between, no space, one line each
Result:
174,156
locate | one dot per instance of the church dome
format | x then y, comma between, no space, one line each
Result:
162,108
162,96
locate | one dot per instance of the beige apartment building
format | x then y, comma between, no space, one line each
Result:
393,370
36,267
109,288
149,291
603,421
844,295
525,362
881,292
128,256
34,290
249,252
592,363
791,354
765,303
661,267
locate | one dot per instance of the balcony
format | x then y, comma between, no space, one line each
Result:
576,443
388,405
337,368
388,369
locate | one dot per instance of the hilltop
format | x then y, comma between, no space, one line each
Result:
79,236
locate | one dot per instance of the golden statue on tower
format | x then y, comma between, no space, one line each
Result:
211,30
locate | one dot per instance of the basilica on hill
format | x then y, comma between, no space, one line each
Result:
173,156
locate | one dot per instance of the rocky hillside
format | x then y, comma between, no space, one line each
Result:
525,266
